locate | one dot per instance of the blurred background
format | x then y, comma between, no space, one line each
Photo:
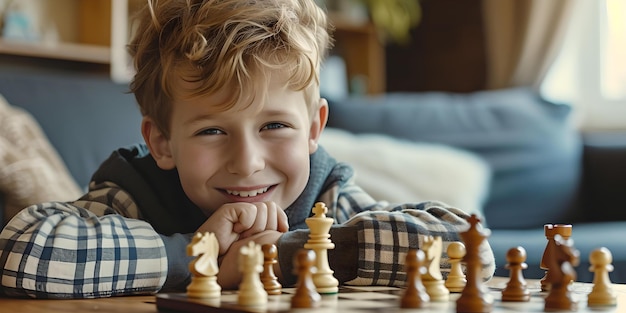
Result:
570,50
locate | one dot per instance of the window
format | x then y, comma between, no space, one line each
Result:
590,71
613,45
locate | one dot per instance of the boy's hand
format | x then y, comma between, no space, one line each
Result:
235,221
229,276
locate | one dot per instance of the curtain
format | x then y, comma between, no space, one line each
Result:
522,39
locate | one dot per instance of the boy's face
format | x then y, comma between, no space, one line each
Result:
252,153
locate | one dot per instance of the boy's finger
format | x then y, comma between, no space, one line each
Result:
282,220
245,215
260,220
276,218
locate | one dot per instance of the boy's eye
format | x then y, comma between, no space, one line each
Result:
275,125
210,131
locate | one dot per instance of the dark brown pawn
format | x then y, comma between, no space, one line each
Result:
268,278
516,289
415,295
306,295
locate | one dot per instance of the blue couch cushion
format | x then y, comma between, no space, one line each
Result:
534,153
85,116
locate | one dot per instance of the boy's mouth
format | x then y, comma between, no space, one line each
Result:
248,193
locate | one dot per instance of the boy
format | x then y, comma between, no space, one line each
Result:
229,94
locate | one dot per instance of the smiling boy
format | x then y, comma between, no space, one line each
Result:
229,94
242,162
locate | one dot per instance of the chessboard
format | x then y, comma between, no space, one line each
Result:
426,290
379,299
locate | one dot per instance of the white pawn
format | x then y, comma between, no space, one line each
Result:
251,290
319,242
602,293
456,279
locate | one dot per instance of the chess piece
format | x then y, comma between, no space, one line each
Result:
474,297
204,267
456,279
561,273
602,293
432,279
319,226
565,231
268,278
415,295
251,291
516,289
306,295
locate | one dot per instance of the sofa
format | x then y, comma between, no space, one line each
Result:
531,166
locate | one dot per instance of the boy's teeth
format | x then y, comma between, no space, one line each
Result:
249,193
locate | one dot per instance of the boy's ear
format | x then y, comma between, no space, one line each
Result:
157,143
318,123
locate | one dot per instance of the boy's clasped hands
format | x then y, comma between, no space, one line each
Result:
235,224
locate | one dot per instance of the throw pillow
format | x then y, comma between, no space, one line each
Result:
401,171
31,171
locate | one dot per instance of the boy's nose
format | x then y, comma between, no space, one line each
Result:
246,158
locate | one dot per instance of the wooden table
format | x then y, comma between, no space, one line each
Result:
140,304
135,304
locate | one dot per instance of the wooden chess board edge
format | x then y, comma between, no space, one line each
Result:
180,303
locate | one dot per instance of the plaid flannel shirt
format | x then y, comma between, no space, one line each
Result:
61,250
386,232
99,246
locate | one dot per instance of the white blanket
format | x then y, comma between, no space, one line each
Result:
401,171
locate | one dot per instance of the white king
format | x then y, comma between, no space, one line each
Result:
319,242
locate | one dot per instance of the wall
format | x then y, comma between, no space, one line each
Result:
446,53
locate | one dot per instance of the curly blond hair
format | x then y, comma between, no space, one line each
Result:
219,44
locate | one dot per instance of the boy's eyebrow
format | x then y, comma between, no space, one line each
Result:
277,112
198,118
213,116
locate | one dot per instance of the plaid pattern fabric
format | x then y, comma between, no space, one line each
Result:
109,198
386,232
59,250
385,238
